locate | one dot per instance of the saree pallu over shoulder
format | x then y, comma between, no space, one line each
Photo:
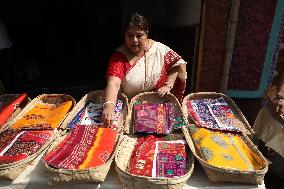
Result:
150,71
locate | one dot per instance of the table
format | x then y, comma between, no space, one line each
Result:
34,177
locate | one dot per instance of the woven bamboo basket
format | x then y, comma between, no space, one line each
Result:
217,174
127,144
13,170
8,98
96,174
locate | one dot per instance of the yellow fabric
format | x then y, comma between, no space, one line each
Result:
94,147
43,116
225,150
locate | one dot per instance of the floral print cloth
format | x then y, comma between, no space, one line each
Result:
214,114
160,118
225,150
158,156
169,159
91,113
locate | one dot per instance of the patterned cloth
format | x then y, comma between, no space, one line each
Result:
91,113
43,116
156,118
23,144
142,158
169,159
225,150
214,114
84,147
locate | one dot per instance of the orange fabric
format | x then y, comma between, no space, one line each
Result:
102,148
45,116
8,111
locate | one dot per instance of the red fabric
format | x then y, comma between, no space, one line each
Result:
84,147
118,65
12,159
141,161
8,111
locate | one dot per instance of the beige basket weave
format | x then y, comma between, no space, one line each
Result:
13,170
217,174
8,98
126,147
96,174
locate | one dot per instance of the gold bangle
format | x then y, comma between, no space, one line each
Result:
108,102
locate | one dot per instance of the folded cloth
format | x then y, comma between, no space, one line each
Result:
169,159
145,154
24,144
225,150
214,114
6,112
160,118
43,116
91,113
86,146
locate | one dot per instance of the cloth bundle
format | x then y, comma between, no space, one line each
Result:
43,116
214,114
85,147
225,150
17,145
91,113
157,156
160,118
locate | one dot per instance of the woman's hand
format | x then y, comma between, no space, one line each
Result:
108,115
164,90
278,106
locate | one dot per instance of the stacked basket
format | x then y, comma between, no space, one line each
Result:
127,144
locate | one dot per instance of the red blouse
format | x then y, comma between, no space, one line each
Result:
118,65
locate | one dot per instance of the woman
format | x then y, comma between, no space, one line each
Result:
142,64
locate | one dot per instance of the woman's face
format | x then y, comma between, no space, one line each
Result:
135,39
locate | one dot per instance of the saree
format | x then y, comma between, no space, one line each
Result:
225,150
153,66
163,159
21,144
43,116
84,147
214,114
91,113
160,118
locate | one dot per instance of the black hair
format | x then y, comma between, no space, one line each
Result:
138,20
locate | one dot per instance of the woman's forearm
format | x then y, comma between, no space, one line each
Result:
111,91
172,75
